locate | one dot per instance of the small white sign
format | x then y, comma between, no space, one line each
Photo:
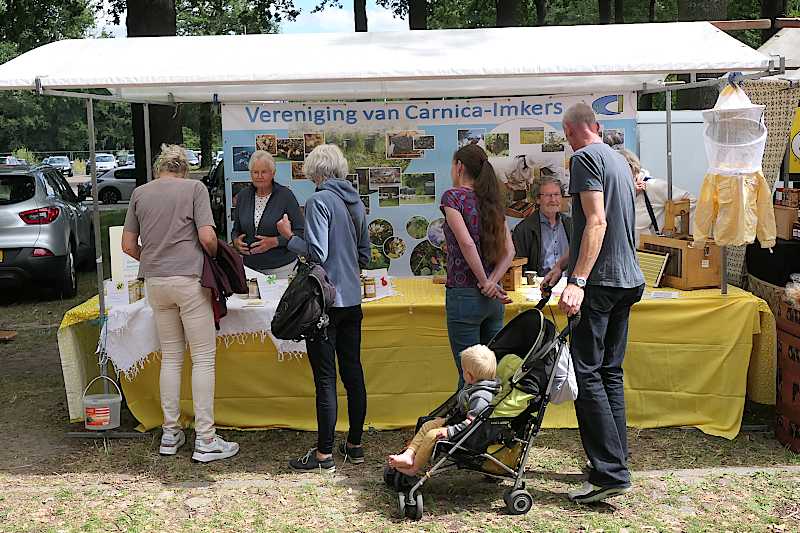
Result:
704,263
123,266
663,295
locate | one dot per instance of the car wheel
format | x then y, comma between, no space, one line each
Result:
69,278
110,196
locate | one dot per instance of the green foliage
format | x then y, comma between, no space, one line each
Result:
27,155
209,17
190,138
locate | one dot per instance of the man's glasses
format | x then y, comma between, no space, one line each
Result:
551,195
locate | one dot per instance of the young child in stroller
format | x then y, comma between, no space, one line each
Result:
479,366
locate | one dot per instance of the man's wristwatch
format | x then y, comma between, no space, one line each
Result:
574,280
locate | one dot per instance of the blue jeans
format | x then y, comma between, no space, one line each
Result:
472,319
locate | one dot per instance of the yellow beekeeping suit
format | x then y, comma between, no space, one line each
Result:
735,209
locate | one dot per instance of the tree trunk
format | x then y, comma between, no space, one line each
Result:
541,12
360,12
619,12
604,8
651,15
507,13
703,98
702,9
418,14
152,18
206,134
771,9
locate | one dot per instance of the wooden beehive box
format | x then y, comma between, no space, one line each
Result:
513,278
688,267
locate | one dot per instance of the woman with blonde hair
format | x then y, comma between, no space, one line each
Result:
172,217
259,208
479,252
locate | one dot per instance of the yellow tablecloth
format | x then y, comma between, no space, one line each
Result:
686,365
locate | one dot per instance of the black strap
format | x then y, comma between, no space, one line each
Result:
650,211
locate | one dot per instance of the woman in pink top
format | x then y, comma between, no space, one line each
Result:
479,252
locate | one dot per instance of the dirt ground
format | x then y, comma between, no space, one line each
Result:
684,480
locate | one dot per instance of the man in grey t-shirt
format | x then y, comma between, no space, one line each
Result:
605,281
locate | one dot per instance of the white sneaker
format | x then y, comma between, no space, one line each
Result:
171,442
589,493
217,448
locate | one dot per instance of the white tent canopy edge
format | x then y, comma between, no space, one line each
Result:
427,64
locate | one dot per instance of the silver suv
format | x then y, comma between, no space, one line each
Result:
45,231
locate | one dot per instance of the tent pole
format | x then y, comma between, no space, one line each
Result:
98,247
148,156
668,102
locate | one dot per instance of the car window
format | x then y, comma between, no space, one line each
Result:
51,185
58,160
15,189
66,190
125,174
104,158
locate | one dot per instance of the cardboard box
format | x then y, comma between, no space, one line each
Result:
785,217
688,267
513,278
787,318
787,401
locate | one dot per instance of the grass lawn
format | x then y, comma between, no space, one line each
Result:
684,480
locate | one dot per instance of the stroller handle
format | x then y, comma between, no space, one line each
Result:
572,321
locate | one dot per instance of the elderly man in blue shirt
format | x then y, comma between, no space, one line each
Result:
543,237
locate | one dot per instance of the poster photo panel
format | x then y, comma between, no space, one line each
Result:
399,157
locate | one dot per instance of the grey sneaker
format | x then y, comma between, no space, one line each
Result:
213,450
310,463
589,493
354,454
171,442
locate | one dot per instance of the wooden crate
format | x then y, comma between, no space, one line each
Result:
787,401
689,267
513,278
785,217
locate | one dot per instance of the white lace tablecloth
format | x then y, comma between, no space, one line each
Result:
129,335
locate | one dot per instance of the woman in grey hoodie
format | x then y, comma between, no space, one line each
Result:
336,237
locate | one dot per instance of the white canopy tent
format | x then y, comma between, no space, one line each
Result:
414,64
785,43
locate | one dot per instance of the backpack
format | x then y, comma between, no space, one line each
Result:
302,312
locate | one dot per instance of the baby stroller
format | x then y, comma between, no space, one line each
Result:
497,442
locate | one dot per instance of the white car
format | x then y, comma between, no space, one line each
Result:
105,162
191,156
113,186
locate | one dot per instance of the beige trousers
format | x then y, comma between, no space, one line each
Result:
183,313
424,441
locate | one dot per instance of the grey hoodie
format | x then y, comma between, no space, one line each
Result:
472,400
336,237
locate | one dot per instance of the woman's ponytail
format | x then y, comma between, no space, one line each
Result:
490,201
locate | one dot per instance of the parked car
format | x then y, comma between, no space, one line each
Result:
191,156
8,160
60,162
45,231
215,183
217,156
105,162
113,186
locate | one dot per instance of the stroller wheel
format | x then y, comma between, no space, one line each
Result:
415,512
388,476
518,501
